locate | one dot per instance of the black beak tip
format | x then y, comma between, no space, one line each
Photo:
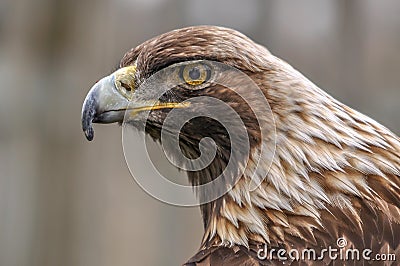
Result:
88,115
89,133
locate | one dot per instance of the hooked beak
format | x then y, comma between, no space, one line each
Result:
105,103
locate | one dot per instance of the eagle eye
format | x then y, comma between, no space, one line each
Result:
195,74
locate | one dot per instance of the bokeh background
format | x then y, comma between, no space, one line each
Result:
65,201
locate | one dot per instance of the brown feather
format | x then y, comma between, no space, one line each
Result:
336,172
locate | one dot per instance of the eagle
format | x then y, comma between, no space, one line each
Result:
333,174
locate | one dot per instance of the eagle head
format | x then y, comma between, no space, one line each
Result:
296,168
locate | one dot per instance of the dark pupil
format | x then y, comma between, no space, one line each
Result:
194,73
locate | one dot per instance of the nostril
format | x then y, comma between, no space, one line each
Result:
126,86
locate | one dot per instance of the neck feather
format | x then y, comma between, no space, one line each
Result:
329,161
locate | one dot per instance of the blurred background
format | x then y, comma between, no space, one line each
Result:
65,201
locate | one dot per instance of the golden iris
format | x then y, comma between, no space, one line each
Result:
195,74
